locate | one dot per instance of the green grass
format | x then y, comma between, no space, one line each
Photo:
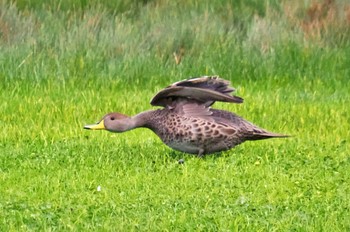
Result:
61,69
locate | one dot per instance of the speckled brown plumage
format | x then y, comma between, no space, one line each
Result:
187,123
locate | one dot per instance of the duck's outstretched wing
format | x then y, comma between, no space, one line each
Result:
204,90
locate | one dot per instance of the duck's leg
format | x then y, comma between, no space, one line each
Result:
200,153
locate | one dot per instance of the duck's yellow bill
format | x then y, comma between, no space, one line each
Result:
98,126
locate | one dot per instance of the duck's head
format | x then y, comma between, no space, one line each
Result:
114,122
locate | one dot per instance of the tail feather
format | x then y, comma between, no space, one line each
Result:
265,135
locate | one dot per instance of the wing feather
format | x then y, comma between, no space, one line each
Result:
205,90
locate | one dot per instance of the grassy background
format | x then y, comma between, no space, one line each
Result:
67,63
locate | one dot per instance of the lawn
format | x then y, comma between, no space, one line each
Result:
65,65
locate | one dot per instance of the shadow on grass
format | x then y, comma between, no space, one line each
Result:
177,155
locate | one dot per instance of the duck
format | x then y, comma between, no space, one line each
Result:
187,122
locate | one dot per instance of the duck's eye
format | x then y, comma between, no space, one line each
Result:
112,118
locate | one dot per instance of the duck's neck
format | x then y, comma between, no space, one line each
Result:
139,120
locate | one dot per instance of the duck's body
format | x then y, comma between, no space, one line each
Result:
187,123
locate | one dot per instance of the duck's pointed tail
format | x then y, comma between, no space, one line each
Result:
258,135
